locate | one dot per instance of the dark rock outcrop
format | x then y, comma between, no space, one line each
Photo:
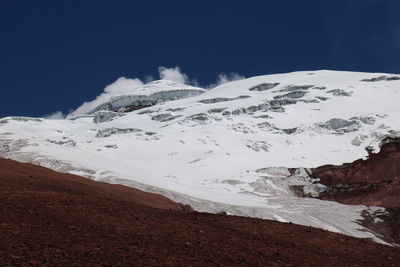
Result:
382,78
372,182
263,87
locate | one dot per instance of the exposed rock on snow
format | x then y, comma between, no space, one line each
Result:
294,94
322,98
258,146
161,117
199,117
340,92
103,116
290,130
340,125
382,78
221,99
279,109
291,88
281,102
216,110
263,87
65,141
107,132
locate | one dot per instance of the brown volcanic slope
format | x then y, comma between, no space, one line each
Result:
48,218
373,182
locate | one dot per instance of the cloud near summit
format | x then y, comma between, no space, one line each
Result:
173,74
120,87
125,85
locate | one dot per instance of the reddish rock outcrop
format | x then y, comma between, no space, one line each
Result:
372,182
48,218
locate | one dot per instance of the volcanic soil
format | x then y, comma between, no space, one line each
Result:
49,218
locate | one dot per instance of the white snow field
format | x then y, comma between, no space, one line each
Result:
231,148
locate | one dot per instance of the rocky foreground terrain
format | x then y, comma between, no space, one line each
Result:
49,218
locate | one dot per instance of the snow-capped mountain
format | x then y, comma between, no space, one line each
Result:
132,97
240,147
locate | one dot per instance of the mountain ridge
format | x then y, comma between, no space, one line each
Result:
230,148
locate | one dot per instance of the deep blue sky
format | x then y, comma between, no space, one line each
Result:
56,54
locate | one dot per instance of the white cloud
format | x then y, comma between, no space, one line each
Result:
148,79
173,74
122,86
58,115
225,78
